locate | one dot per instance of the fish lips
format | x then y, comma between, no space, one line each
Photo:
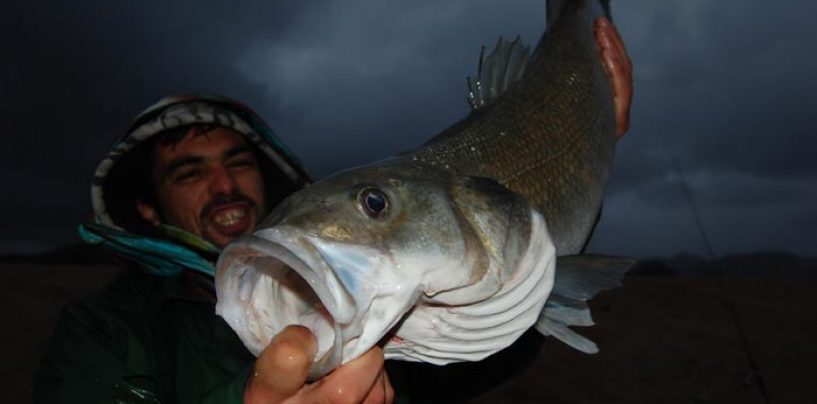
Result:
278,277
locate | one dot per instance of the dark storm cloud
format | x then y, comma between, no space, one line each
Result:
75,73
727,87
723,106
377,77
722,125
93,65
637,228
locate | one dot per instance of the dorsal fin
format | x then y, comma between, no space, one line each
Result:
496,72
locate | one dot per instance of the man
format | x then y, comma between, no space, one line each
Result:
189,176
184,181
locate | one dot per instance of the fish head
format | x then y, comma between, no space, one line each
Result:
355,256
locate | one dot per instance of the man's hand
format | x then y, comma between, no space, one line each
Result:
281,370
619,69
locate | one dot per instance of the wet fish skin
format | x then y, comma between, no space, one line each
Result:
429,210
462,263
469,259
551,136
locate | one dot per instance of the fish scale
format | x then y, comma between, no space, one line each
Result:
460,259
550,137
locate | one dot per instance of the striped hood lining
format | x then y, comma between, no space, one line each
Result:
178,111
173,251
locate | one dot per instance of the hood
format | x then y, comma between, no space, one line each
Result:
166,251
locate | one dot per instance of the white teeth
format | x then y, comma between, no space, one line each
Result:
229,217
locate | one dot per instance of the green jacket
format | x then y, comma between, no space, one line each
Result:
150,339
144,339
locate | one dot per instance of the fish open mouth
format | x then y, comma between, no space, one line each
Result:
264,285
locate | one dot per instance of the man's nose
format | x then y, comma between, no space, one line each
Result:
222,181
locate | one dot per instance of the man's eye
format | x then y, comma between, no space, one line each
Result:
243,163
187,176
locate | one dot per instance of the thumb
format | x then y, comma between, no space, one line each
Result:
282,367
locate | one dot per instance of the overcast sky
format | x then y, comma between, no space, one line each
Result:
724,106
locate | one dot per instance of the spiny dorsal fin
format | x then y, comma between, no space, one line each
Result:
496,72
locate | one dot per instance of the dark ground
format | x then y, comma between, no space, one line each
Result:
664,337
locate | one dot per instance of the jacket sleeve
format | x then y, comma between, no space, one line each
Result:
91,358
100,354
230,392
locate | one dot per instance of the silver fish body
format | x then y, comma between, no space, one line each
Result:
470,260
551,136
448,253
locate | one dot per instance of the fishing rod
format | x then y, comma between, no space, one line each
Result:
727,297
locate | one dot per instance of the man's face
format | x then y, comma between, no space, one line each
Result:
208,184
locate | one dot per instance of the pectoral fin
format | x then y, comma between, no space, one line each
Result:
583,276
578,279
566,335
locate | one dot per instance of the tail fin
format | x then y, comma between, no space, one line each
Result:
578,279
554,8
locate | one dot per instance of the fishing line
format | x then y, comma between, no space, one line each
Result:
728,300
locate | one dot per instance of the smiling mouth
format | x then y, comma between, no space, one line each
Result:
233,219
229,217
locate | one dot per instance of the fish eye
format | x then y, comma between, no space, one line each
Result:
373,202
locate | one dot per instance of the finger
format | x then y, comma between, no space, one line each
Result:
282,367
614,68
622,90
623,123
619,80
388,386
617,43
608,37
622,94
352,382
610,59
601,29
377,394
618,68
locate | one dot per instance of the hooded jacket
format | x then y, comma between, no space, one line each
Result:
148,337
118,178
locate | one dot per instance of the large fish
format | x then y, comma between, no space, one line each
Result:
448,253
